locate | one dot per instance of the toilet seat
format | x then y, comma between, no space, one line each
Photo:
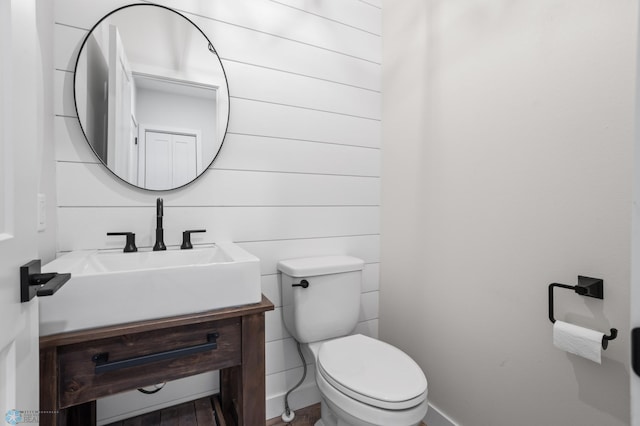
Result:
372,372
355,413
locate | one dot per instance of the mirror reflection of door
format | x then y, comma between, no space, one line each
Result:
121,150
170,159
145,65
96,97
168,107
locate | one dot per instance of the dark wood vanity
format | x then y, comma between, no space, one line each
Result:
76,368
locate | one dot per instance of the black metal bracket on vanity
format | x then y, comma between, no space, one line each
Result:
35,283
587,286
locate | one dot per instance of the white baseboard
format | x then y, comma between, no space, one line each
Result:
435,417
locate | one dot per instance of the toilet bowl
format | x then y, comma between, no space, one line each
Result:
362,381
366,382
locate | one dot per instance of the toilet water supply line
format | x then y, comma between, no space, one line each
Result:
289,414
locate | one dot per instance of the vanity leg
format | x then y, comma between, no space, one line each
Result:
49,414
252,402
82,415
242,388
229,393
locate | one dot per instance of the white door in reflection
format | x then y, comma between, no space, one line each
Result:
121,151
171,159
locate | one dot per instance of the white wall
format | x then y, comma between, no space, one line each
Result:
508,142
298,174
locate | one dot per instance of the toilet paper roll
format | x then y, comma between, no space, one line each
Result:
578,340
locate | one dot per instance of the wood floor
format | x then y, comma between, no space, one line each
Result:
304,417
202,412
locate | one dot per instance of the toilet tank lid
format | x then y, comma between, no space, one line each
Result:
324,265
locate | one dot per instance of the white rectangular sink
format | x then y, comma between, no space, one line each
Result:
109,288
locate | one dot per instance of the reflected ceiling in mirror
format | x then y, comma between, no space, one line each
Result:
151,96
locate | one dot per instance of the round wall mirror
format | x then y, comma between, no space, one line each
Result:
151,96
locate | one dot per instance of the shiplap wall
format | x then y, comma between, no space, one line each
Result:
298,174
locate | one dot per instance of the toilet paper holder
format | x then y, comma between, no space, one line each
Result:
587,286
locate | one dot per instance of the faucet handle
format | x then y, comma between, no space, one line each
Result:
131,241
186,238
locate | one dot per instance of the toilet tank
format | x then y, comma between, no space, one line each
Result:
330,306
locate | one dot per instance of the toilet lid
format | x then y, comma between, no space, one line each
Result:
372,372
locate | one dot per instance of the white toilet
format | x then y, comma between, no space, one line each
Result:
363,381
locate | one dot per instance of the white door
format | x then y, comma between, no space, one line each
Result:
121,142
184,159
170,159
18,193
635,269
158,174
635,285
133,153
635,292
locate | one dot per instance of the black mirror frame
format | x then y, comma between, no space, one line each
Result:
211,49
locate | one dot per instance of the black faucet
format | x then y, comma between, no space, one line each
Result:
159,245
186,238
131,241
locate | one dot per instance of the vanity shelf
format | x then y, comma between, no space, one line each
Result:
201,412
78,367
